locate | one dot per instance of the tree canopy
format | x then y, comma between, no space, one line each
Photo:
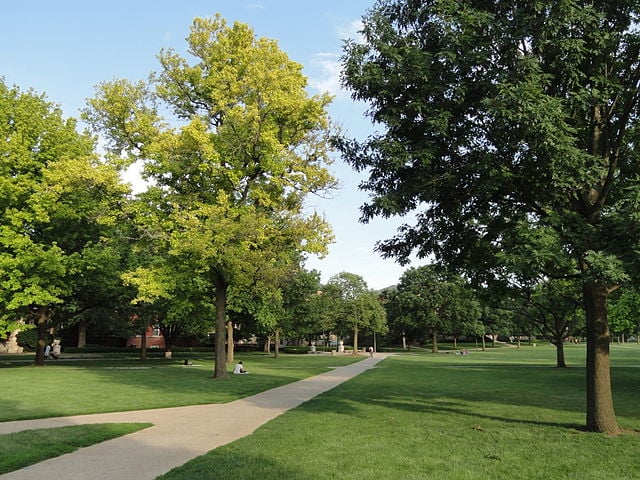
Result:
499,121
231,166
59,205
354,306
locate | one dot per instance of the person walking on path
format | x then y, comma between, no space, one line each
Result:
178,434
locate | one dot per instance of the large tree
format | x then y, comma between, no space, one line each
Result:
234,163
58,208
550,308
500,116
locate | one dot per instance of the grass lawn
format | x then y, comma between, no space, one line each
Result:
21,449
73,387
504,413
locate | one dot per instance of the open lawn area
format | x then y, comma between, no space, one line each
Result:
503,413
75,387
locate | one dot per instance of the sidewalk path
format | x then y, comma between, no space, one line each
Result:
178,434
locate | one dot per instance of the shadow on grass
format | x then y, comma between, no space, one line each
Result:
457,409
537,395
97,386
233,463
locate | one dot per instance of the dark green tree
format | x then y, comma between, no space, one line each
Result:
624,313
501,117
355,306
428,299
550,309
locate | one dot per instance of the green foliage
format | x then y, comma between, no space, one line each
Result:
58,206
494,117
28,339
623,313
8,326
507,124
353,306
231,168
428,301
304,315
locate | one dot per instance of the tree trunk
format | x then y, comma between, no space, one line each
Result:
560,360
42,317
267,345
276,345
355,341
434,342
82,334
230,358
404,341
455,342
600,413
220,359
143,343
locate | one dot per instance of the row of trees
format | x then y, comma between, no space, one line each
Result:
430,303
231,144
509,130
222,230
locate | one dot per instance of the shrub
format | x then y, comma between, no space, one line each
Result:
29,339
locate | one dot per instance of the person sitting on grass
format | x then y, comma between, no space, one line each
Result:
239,369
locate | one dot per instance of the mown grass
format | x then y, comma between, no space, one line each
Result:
21,449
74,387
504,413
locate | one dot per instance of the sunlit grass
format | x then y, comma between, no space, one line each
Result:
95,386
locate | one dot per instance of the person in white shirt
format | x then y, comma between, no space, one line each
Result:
239,369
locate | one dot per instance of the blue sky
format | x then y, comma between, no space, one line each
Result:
64,48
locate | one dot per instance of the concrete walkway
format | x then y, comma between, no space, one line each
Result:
178,434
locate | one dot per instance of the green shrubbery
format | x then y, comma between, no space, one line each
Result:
28,339
151,352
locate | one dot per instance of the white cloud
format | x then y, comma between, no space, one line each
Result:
327,65
351,31
328,78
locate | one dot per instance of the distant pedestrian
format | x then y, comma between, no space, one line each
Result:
239,369
47,351
371,352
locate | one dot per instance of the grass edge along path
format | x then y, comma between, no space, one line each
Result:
28,447
82,387
505,413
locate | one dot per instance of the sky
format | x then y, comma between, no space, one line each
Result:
65,48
